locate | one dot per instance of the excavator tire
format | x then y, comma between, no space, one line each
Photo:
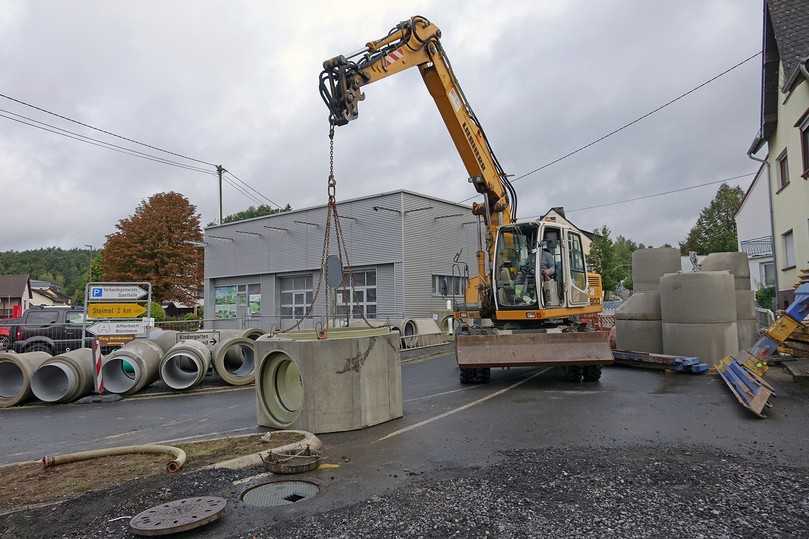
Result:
574,374
467,376
475,376
592,373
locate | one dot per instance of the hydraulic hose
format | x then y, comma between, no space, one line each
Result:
172,467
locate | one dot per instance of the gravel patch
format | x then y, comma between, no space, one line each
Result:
638,492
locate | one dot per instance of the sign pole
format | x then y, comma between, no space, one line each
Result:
97,360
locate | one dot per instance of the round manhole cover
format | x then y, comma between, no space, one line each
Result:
280,493
178,516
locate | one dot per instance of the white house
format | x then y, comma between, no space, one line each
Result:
754,231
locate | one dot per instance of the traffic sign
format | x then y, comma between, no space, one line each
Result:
116,292
115,310
208,337
117,328
114,340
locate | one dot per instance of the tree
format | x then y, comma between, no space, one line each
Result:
157,244
602,258
253,211
715,230
94,274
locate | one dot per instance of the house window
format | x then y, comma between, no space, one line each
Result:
449,285
296,296
767,270
805,148
359,298
789,250
783,170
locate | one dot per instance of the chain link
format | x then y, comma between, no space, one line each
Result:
332,181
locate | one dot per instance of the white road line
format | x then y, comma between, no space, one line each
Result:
464,407
414,399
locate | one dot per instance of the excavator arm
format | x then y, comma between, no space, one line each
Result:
416,43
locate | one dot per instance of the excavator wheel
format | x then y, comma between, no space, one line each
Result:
592,373
574,374
474,376
467,376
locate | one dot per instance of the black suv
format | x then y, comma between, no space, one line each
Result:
48,329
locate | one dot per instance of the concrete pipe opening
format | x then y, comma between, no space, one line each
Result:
240,360
53,382
181,371
120,374
11,380
281,389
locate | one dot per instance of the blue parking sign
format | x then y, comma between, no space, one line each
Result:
96,292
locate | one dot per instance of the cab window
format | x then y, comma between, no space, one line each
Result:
515,266
578,273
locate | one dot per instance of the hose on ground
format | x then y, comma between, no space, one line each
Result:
173,466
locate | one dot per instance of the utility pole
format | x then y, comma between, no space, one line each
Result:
219,170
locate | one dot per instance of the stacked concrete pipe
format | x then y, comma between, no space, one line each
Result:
66,377
185,364
738,265
638,324
234,356
16,371
649,265
699,314
136,364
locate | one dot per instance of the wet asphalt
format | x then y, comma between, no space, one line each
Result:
448,431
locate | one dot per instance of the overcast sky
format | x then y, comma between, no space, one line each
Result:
236,83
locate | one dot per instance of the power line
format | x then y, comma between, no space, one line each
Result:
46,111
631,122
259,193
241,190
100,143
653,195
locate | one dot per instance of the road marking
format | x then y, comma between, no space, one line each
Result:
111,436
464,407
186,394
414,399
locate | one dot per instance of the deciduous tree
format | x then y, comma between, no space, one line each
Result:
156,244
715,230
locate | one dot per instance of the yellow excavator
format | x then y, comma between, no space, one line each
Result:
527,304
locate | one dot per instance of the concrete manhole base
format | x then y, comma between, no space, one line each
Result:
280,493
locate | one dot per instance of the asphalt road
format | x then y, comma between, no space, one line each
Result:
448,431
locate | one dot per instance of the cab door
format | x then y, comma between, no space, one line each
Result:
578,292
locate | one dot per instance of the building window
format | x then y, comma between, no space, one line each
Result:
449,285
789,250
237,301
359,298
225,302
783,170
296,296
767,270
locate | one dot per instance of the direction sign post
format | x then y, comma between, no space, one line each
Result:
117,310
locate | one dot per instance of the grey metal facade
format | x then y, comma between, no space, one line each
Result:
405,237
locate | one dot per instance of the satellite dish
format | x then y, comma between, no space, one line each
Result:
334,271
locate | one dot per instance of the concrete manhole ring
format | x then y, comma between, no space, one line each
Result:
280,493
178,516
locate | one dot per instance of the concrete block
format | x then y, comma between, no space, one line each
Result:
342,383
734,262
640,306
648,265
708,342
748,333
745,305
703,297
639,335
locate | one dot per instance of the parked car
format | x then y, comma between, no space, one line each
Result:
5,335
48,329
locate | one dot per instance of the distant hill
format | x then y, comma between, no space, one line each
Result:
65,267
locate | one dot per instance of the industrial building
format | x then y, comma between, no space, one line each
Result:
264,272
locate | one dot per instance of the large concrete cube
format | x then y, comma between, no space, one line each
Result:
648,265
349,381
637,323
708,342
734,262
703,297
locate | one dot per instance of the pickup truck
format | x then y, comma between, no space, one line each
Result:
48,329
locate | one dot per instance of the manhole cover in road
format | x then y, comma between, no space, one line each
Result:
178,516
280,493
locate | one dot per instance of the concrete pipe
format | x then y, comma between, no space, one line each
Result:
132,367
708,342
639,335
234,360
16,371
745,305
426,326
185,364
640,306
253,333
648,265
703,297
280,390
164,338
66,377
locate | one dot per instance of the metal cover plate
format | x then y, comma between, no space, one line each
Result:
279,493
178,516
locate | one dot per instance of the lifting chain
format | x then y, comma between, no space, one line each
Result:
332,181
